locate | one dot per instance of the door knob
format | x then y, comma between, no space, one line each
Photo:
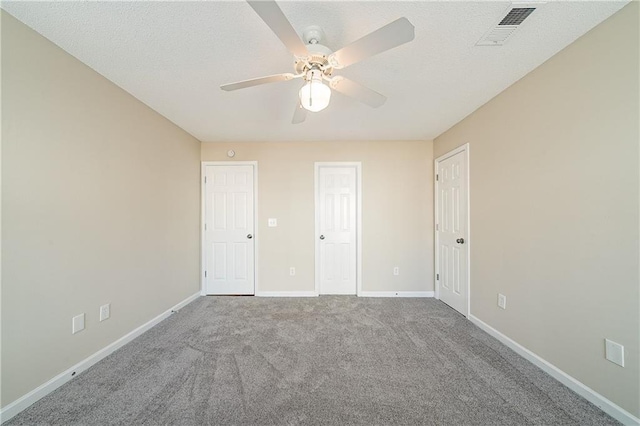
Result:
322,237
249,236
460,241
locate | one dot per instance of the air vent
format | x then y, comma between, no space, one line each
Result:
507,25
517,15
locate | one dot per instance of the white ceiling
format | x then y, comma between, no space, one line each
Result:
173,56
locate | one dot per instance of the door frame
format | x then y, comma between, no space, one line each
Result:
358,166
436,172
203,259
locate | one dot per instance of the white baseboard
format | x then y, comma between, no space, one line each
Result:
26,400
396,294
578,387
286,294
362,294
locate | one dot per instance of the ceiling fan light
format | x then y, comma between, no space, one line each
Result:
315,96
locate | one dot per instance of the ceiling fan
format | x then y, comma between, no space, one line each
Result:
315,63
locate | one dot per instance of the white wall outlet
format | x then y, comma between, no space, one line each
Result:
292,271
396,270
502,301
272,222
614,352
77,324
105,312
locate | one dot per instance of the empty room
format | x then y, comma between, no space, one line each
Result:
320,212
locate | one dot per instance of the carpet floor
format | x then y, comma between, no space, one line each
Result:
327,360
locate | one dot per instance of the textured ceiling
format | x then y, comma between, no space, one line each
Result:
173,56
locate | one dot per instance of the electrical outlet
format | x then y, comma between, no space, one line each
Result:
292,271
502,301
272,222
614,352
77,324
105,312
396,270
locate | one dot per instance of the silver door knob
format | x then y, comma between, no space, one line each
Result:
249,236
322,237
460,241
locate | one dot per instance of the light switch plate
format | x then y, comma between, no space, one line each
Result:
272,222
614,352
77,324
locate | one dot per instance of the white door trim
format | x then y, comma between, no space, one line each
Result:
256,234
461,148
358,167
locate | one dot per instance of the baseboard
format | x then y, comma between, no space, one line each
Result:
578,387
25,401
362,294
396,294
286,294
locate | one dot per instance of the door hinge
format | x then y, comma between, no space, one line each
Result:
205,274
205,226
438,277
205,179
437,177
437,227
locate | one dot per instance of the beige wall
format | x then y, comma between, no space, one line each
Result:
397,210
554,208
100,203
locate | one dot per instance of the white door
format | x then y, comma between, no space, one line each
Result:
451,228
229,228
337,229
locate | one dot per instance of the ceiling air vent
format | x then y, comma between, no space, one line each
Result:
507,25
516,15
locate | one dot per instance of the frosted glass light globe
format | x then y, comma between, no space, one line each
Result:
315,96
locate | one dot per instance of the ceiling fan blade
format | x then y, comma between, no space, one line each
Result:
257,81
391,35
357,91
272,15
299,115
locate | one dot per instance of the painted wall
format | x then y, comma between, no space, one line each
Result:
554,208
397,210
100,204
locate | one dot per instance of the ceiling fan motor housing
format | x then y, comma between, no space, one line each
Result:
318,53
